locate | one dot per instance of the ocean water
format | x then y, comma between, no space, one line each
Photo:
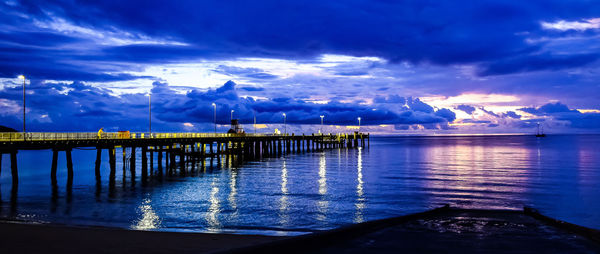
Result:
301,193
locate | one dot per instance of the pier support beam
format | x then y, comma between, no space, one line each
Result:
132,162
159,160
144,163
112,160
172,159
182,159
167,159
98,161
54,167
13,168
69,168
152,160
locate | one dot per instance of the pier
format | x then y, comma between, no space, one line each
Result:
169,149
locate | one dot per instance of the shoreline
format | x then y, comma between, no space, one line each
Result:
522,231
25,237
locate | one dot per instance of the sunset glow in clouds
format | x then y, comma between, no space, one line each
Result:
410,67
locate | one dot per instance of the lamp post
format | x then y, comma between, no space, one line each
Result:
321,123
150,114
359,124
284,125
215,115
232,114
23,78
254,113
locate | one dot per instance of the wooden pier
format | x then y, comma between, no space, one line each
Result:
175,148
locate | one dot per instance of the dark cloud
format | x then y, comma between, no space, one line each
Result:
488,112
580,120
475,121
446,113
562,112
484,33
548,109
87,108
511,114
538,62
418,105
466,108
252,89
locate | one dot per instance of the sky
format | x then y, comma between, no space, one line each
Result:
403,67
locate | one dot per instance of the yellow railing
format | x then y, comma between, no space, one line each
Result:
51,136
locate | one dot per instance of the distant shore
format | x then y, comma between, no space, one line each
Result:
18,237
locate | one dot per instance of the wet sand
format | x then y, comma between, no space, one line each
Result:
44,238
442,230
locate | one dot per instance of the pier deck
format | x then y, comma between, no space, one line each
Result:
177,149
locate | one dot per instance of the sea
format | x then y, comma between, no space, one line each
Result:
307,192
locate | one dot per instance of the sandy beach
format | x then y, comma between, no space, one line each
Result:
442,230
18,237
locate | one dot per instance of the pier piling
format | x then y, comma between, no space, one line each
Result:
98,161
188,148
54,167
13,168
69,168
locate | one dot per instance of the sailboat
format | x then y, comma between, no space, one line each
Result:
540,134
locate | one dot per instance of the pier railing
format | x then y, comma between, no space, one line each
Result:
53,136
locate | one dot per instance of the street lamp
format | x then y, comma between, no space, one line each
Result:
150,114
232,114
322,123
254,113
215,115
359,124
284,125
23,78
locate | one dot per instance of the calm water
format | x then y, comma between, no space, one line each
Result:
559,175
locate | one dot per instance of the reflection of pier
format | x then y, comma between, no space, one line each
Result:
186,147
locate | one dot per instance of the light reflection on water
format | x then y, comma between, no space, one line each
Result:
149,220
283,201
360,200
301,193
212,216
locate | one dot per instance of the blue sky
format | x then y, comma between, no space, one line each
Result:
403,67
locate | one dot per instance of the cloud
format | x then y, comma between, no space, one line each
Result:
77,106
562,112
475,121
548,109
418,105
488,112
255,73
446,113
529,63
511,114
121,33
390,99
466,108
563,25
345,55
